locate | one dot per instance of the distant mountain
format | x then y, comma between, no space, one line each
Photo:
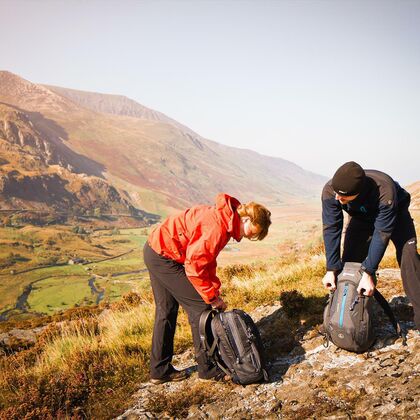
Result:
152,161
414,190
276,168
116,105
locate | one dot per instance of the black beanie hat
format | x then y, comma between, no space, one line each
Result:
348,179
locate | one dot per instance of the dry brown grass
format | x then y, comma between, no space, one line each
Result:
90,366
247,287
85,367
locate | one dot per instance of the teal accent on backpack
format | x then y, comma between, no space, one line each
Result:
343,305
348,315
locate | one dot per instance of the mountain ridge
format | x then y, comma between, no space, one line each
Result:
115,105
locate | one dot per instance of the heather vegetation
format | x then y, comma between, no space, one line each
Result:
77,364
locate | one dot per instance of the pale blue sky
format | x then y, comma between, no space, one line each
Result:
315,82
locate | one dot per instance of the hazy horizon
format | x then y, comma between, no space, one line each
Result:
314,82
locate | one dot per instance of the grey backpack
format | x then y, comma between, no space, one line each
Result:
232,341
348,315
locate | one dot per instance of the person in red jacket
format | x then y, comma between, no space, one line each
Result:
180,255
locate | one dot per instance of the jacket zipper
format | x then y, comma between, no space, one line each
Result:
343,304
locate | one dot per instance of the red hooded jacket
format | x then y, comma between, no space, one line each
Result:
195,237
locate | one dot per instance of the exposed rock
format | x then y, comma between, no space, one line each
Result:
43,173
309,381
17,339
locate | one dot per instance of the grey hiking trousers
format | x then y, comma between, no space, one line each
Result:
172,288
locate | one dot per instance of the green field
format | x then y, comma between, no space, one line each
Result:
65,286
57,293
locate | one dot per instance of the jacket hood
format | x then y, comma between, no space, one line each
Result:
226,206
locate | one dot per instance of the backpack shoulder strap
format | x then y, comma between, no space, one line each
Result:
204,319
387,309
330,301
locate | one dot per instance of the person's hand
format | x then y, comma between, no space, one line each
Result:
329,281
366,285
219,304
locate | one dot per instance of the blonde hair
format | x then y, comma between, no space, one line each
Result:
259,216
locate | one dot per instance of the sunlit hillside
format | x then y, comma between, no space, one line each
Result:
153,163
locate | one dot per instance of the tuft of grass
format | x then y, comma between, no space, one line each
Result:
252,287
241,270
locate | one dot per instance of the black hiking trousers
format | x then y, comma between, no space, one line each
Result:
172,288
356,246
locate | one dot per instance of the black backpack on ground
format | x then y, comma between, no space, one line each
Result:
232,341
348,315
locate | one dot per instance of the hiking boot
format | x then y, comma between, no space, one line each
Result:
219,377
174,376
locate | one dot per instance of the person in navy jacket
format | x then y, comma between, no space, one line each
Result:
378,210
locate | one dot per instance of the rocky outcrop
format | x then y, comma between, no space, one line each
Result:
39,172
307,380
17,129
18,339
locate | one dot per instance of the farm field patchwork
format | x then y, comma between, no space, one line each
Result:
108,267
112,262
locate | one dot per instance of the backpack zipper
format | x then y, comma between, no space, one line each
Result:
231,339
356,301
343,304
251,338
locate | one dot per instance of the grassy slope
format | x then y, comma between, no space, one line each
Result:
75,365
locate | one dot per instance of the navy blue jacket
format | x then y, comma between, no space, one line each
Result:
377,203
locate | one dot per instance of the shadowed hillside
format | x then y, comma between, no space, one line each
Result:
38,171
